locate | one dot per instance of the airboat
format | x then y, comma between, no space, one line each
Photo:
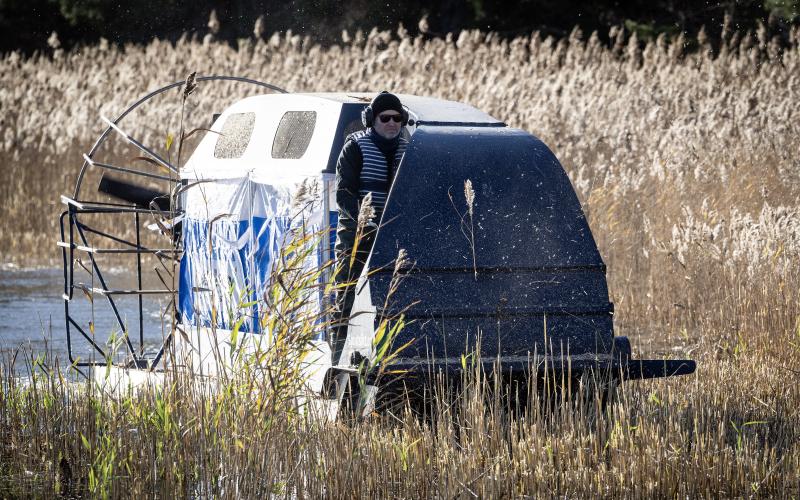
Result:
511,279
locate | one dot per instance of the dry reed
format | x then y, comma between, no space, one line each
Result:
687,167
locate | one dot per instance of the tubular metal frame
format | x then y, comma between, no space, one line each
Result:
73,232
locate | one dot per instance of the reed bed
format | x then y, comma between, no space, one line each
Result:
700,436
686,164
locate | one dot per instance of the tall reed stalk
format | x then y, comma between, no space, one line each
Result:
686,166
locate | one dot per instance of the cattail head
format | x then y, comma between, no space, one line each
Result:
191,84
53,42
402,32
213,22
401,261
469,194
307,193
702,37
367,212
423,25
260,27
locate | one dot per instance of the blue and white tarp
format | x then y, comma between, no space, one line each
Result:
233,231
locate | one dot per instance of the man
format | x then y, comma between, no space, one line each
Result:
365,168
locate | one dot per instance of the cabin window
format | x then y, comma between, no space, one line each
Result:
235,136
294,134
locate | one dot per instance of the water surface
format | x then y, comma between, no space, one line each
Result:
32,315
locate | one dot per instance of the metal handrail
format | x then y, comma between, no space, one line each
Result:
71,242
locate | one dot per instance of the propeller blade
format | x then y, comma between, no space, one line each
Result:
132,193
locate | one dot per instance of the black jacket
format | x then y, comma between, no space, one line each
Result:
348,175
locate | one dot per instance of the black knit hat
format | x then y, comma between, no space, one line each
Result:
385,101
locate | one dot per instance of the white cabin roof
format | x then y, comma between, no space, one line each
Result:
426,109
330,111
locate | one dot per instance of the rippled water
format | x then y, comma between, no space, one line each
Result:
32,314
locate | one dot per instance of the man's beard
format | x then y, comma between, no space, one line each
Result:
388,136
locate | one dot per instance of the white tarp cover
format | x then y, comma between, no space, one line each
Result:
233,231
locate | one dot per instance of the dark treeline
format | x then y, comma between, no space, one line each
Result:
27,24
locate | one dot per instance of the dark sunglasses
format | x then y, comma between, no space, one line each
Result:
386,118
